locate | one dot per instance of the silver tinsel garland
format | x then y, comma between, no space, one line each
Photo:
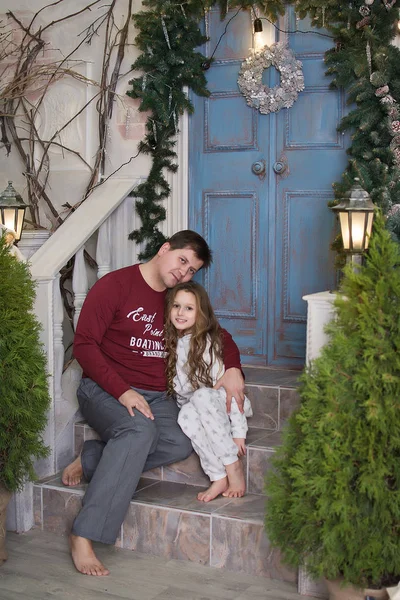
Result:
260,96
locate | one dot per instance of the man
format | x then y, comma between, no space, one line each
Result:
119,344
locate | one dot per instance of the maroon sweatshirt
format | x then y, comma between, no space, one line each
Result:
119,338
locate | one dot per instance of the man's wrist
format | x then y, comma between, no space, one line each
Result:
124,392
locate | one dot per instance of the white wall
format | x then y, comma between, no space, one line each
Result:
68,175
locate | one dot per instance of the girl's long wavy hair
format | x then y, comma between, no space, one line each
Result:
205,327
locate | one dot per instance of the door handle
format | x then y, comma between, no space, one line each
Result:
279,167
259,168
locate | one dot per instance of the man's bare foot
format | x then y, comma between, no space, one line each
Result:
215,489
84,558
72,474
237,484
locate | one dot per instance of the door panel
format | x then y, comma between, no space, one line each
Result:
307,139
270,233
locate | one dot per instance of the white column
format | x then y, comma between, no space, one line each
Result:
320,311
20,509
44,310
177,203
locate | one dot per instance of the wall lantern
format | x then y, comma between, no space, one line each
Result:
356,215
12,210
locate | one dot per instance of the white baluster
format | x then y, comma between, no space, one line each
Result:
103,251
58,340
122,249
80,283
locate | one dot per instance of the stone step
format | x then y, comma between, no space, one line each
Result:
165,519
260,445
273,394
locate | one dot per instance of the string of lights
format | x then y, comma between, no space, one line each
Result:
258,28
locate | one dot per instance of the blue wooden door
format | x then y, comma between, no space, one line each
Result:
270,234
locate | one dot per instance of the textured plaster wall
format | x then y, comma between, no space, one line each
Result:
68,175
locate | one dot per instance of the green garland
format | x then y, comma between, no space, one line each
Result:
363,62
367,66
168,35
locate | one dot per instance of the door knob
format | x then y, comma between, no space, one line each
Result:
259,168
279,167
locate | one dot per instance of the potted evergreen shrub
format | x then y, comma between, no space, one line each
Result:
334,491
24,397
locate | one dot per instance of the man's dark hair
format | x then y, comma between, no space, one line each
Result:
194,241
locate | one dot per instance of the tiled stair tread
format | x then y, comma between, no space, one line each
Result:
165,519
178,496
260,443
257,437
271,377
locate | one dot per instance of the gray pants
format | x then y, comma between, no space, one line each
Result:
128,446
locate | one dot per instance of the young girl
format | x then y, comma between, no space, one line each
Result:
194,364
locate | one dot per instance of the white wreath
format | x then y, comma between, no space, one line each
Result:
260,96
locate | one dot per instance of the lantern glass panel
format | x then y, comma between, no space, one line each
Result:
8,219
13,218
369,228
344,226
20,222
358,230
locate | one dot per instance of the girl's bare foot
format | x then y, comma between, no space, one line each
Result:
72,474
215,489
84,558
237,484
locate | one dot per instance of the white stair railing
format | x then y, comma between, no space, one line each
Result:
68,241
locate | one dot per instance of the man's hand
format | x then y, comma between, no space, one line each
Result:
131,399
233,383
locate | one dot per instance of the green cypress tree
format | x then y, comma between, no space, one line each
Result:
334,492
24,397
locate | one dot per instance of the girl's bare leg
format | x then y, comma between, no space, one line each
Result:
237,484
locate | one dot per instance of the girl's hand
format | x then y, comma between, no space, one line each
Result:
131,399
241,444
233,383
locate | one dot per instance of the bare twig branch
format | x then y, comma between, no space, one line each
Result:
23,76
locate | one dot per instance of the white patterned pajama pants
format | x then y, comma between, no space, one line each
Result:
205,421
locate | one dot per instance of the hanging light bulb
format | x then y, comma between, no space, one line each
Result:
258,40
262,36
258,25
